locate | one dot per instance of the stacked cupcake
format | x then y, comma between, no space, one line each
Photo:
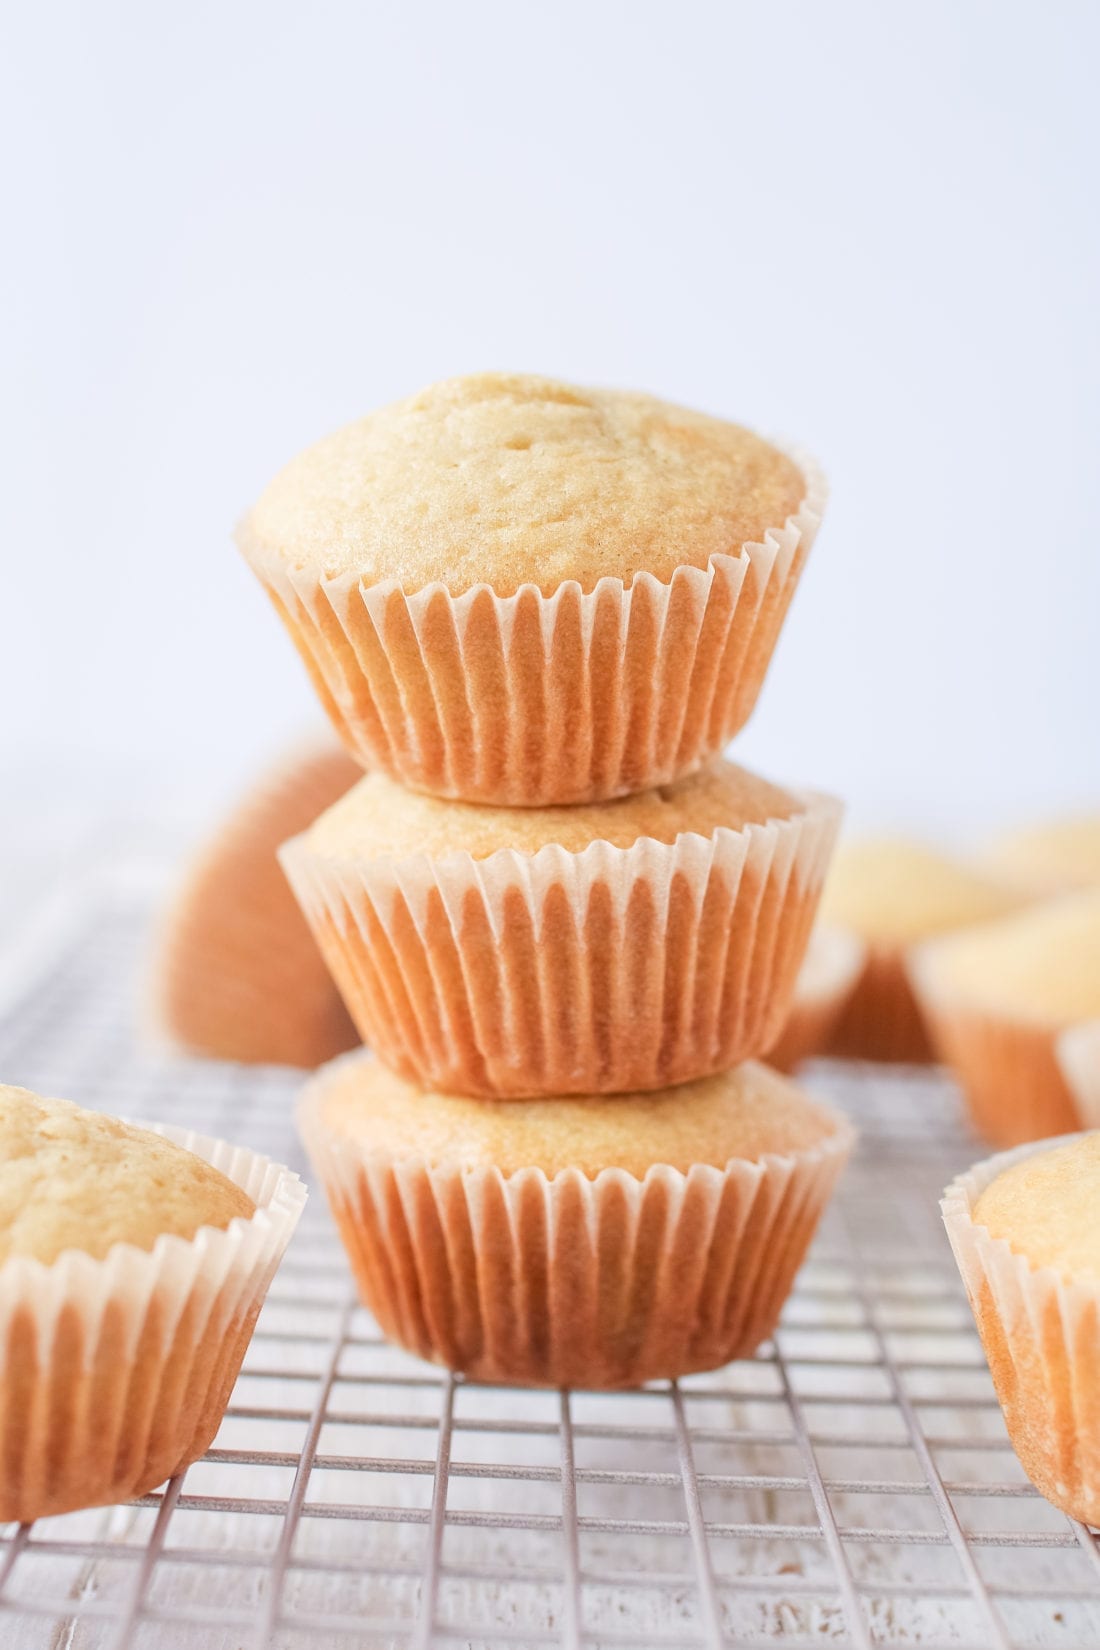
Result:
562,922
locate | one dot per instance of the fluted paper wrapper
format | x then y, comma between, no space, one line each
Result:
1008,1068
1041,1335
534,699
1078,1052
606,971
882,1019
115,1373
599,1283
833,962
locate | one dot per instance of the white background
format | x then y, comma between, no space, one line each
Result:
873,228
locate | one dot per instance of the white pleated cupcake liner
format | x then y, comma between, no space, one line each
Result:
599,1283
604,971
1078,1051
115,1373
533,699
1041,1335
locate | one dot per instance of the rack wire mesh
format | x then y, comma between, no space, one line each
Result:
852,1484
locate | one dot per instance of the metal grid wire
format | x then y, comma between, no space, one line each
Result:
852,1484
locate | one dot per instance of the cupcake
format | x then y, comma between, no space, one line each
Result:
510,590
833,963
133,1264
1024,1230
237,974
595,1242
526,951
1079,1059
1050,859
893,894
997,999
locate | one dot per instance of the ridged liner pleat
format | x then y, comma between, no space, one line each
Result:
535,699
601,1283
1041,1335
115,1373
562,973
1008,1068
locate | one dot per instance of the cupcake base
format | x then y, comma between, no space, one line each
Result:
115,1373
599,1283
1041,1336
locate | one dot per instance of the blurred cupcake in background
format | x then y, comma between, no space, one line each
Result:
833,963
1050,858
1079,1058
894,893
999,997
237,975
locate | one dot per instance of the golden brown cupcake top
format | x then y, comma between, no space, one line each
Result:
744,1113
1047,1207
1041,964
1050,858
74,1179
510,479
892,891
378,819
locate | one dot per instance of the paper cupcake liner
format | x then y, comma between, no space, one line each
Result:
1041,1336
115,1373
236,973
1078,1052
559,973
1008,1069
599,1283
833,963
533,700
882,1019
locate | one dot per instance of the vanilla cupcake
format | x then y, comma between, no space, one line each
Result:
997,999
133,1264
514,591
1050,859
592,1242
832,965
524,951
1025,1233
894,893
237,975
1079,1059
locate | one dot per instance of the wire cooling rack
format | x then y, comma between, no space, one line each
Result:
850,1485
